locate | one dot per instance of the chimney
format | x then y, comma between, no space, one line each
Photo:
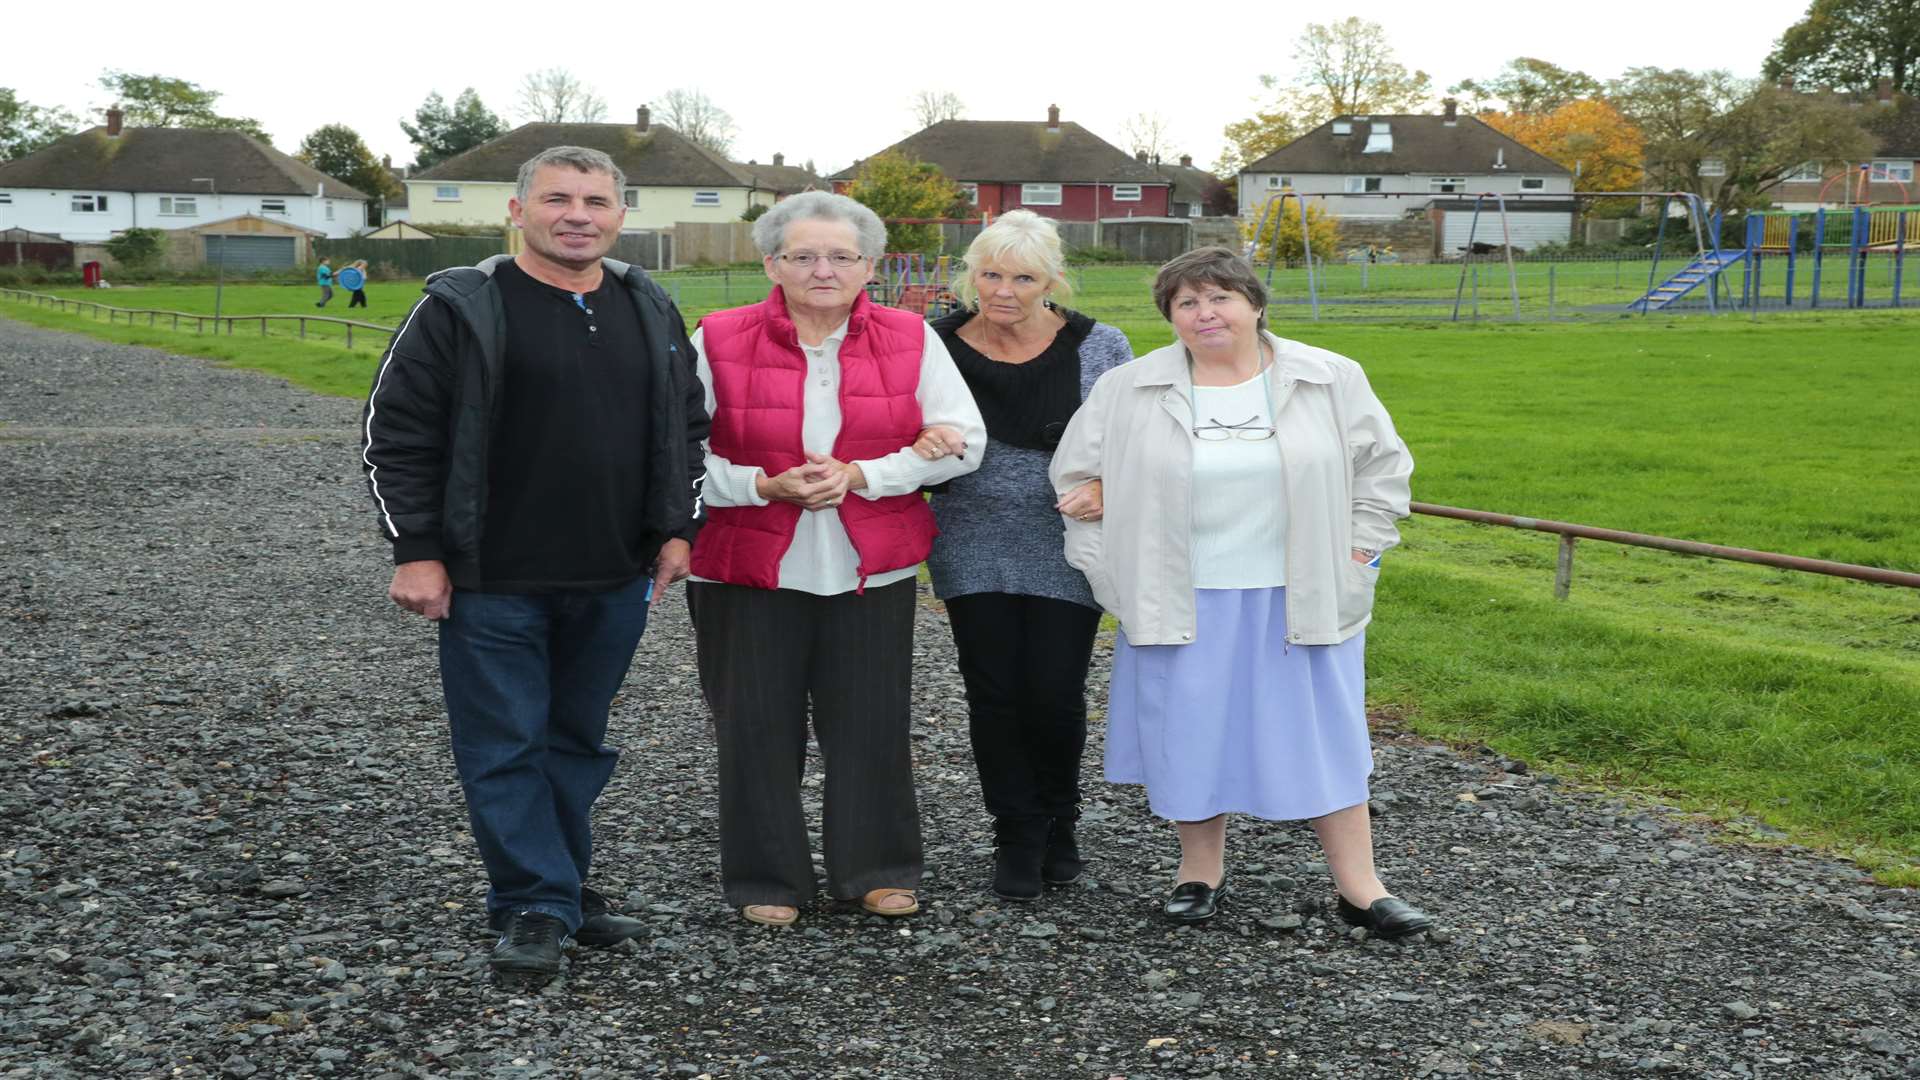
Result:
1140,156
1886,90
1186,161
386,162
643,120
779,159
1452,116
1786,82
114,119
1053,118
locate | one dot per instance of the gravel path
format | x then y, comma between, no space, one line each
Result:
234,846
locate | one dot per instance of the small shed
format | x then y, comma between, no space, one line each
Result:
398,230
244,243
24,247
1529,223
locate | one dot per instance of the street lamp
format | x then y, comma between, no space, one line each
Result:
220,273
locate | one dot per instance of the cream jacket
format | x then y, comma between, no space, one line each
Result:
1344,475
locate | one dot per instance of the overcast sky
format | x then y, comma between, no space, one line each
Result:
826,82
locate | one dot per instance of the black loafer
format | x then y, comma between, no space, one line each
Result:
1194,901
1387,918
601,927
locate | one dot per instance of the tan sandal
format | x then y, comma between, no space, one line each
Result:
770,914
871,903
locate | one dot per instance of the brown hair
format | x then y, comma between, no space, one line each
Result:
1213,265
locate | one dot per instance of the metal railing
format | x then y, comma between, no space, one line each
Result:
153,316
1570,534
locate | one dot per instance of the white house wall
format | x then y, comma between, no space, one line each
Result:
48,211
1414,191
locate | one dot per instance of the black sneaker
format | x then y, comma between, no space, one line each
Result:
601,927
529,948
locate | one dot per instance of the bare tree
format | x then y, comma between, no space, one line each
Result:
689,111
932,106
1347,67
555,96
1148,132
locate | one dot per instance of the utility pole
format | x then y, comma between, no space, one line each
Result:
220,272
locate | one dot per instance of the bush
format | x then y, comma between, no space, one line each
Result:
752,213
1098,255
136,249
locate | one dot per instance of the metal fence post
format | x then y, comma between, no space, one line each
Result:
1563,573
1476,290
1550,291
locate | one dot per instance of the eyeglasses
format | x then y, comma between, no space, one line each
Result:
805,260
1248,430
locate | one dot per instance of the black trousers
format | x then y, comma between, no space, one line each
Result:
765,655
358,299
1024,660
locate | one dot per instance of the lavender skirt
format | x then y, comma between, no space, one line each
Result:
1235,722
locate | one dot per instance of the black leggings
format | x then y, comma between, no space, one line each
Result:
1024,659
359,298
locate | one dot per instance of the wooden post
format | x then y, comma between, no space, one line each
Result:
1563,573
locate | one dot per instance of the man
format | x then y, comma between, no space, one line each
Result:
323,277
533,448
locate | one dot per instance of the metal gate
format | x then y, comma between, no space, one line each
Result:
251,252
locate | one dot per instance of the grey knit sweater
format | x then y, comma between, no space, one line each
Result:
999,531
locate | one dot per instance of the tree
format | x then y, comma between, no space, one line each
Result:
1589,137
1146,132
1851,44
932,106
1528,85
1731,140
164,101
26,127
338,151
689,111
894,185
1348,68
554,96
135,248
1345,68
1283,226
439,132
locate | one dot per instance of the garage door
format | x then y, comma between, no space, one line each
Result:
251,252
1528,230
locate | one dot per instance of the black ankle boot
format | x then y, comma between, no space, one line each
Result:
1019,844
1061,864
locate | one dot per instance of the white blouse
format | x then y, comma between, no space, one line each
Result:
821,559
1239,513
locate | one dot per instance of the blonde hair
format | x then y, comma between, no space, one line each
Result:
1020,238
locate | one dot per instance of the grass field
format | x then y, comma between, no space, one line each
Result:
1741,691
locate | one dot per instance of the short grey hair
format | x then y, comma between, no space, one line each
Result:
770,228
1213,265
1019,239
579,157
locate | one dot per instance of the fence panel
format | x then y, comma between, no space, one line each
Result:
650,249
49,256
410,258
713,243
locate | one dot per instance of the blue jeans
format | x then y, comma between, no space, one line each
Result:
529,680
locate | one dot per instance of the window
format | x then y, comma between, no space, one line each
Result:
1040,194
1343,127
329,209
972,192
631,197
1280,182
1892,170
89,204
273,206
1126,193
6,198
1533,183
1357,185
446,193
1193,209
1447,184
1713,166
180,205
706,198
1379,138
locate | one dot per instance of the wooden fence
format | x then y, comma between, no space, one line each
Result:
409,258
713,243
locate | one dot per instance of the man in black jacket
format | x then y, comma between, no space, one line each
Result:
533,447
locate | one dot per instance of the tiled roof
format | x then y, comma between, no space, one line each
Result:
146,159
656,157
1020,151
1421,144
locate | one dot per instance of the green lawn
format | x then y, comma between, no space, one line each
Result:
1742,691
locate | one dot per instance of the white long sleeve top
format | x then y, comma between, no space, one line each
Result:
821,559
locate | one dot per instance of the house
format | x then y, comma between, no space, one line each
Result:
1888,178
670,178
781,178
90,185
1058,170
1381,169
1196,192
